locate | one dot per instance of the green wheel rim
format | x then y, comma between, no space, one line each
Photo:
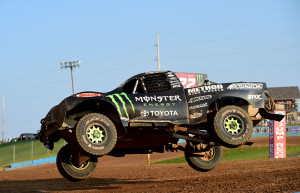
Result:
208,155
82,167
96,134
233,125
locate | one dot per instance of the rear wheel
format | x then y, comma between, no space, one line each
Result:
205,157
96,134
232,126
71,172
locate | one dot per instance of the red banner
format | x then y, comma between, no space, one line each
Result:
277,137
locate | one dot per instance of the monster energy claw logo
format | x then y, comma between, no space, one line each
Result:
113,97
199,79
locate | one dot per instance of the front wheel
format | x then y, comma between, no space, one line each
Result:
96,134
71,172
232,126
205,157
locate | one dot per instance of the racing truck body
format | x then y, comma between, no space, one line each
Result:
149,113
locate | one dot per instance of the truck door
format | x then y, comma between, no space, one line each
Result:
158,97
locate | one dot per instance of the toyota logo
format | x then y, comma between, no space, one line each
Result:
145,113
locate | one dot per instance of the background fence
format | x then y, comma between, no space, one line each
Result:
26,150
264,131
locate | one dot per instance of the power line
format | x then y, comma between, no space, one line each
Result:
121,54
143,48
231,26
88,62
173,58
36,86
114,69
29,76
79,77
230,38
256,67
164,33
208,70
59,81
26,68
77,55
231,53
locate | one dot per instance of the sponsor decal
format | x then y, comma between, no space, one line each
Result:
159,104
198,106
190,80
195,115
200,98
98,147
187,80
97,119
199,78
146,113
121,98
277,137
93,119
239,112
157,98
245,86
205,89
84,139
175,83
254,97
228,111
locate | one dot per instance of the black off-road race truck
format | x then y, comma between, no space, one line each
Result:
151,112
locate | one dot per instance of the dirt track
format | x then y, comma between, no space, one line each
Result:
265,175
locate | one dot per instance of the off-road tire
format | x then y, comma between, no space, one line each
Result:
96,134
232,126
203,164
71,172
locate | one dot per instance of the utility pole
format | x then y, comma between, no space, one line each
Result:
157,45
3,123
71,65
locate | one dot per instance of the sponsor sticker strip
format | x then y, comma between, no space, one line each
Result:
205,89
175,83
157,98
159,104
255,97
195,115
245,86
198,106
146,113
199,98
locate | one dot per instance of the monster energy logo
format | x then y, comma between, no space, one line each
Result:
199,79
113,97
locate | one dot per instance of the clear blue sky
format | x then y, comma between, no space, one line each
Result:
257,40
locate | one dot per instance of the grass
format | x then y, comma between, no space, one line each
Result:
25,151
242,153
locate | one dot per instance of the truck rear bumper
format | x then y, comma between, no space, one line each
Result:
265,114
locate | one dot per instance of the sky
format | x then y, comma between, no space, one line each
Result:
257,40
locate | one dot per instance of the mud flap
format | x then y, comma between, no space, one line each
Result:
270,116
